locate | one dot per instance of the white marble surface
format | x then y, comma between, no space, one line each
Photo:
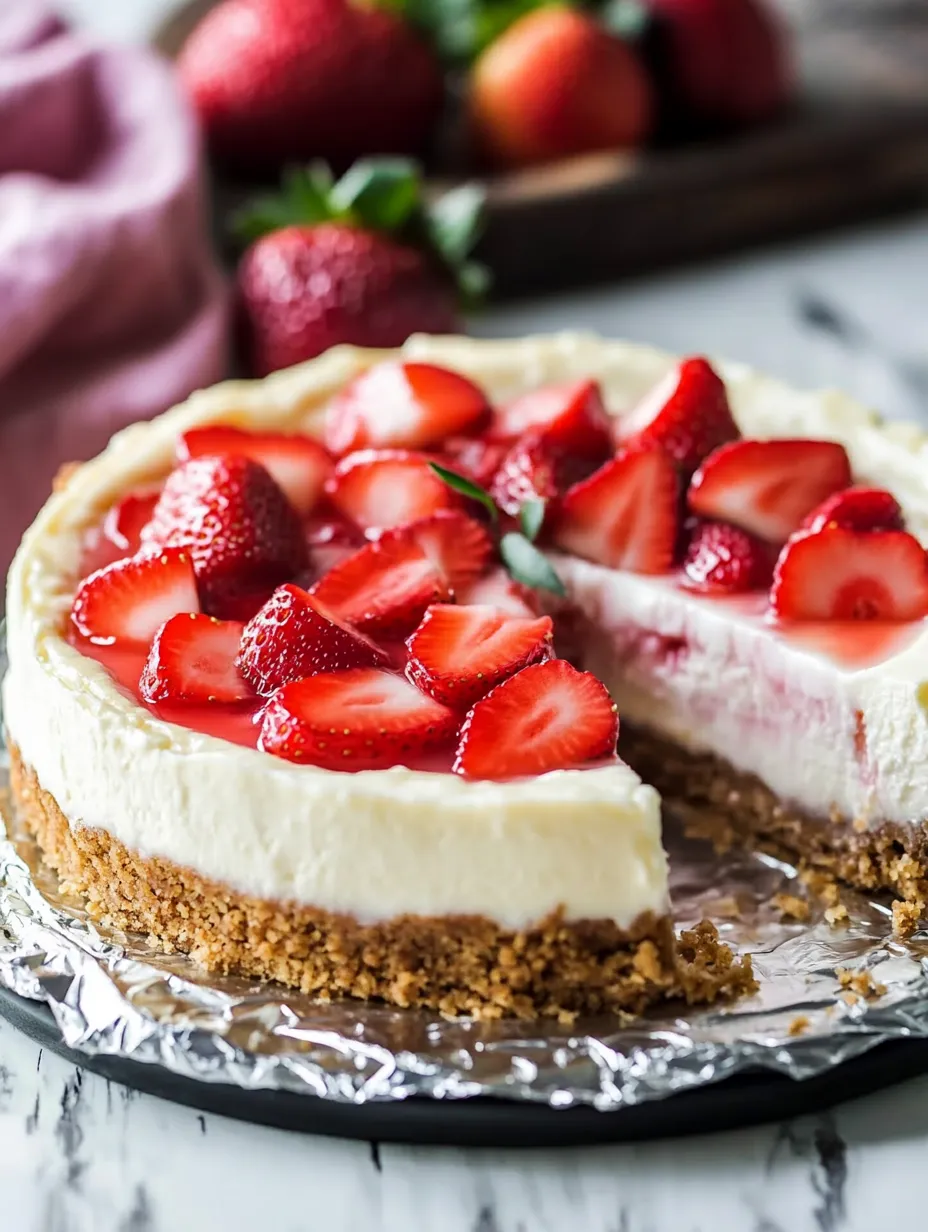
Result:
78,1154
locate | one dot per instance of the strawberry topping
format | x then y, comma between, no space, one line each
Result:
841,574
768,487
357,720
129,600
625,515
500,590
295,635
724,559
458,654
686,414
547,717
298,464
384,588
329,539
858,509
242,533
527,473
570,418
403,406
458,546
387,488
124,523
474,457
192,659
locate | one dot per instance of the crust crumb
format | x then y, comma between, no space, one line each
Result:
836,915
906,917
799,1025
859,984
791,906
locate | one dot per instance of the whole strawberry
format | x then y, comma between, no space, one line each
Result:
361,261
276,81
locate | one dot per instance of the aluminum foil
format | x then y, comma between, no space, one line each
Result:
114,994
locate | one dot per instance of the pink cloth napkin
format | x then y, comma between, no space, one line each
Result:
111,307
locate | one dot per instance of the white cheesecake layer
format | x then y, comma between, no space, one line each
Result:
377,844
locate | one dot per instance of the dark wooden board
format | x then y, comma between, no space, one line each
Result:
855,146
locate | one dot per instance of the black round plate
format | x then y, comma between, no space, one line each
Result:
750,1099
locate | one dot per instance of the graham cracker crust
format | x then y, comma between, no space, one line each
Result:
457,965
739,807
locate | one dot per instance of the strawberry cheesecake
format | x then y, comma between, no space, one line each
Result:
320,678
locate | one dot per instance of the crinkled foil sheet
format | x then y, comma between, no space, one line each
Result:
113,994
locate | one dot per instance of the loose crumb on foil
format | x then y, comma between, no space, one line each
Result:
859,984
799,1025
791,906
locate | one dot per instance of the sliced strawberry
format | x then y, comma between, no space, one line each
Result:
384,588
387,488
841,574
500,590
243,535
403,406
686,414
858,509
329,539
124,523
547,717
295,635
723,559
528,472
625,515
570,417
474,457
129,600
768,487
458,546
192,659
458,654
298,464
359,720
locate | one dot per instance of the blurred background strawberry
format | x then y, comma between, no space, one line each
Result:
364,260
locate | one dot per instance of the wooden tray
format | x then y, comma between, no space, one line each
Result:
854,147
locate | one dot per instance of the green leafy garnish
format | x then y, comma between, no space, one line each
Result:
527,565
531,516
459,483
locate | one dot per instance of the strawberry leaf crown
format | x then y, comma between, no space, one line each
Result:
460,30
385,195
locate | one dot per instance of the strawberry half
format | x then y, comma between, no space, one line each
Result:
383,589
547,717
192,659
500,590
841,574
359,720
129,600
768,487
329,540
297,464
242,533
527,472
458,654
458,546
474,457
625,515
124,523
403,406
571,418
723,559
387,488
858,509
295,635
686,414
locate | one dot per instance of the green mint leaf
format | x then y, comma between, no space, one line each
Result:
531,516
466,487
529,566
381,193
454,222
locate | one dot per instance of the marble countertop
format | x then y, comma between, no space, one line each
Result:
80,1154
